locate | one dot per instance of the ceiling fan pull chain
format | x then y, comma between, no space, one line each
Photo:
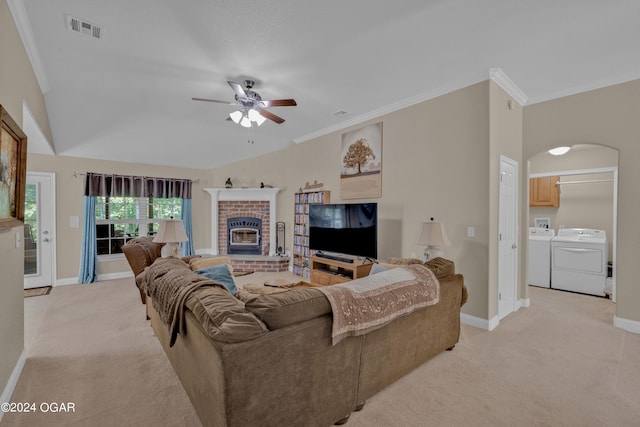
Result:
250,134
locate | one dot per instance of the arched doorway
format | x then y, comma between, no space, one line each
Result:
588,193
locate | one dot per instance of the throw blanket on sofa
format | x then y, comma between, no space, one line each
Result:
169,287
371,302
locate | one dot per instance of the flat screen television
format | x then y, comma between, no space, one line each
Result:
350,229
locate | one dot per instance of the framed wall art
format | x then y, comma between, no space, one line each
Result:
361,163
13,172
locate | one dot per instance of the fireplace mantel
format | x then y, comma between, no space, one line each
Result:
242,195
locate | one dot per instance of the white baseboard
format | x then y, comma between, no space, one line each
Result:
523,302
205,251
64,282
108,276
13,380
626,324
476,322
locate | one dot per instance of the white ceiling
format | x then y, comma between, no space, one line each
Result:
127,96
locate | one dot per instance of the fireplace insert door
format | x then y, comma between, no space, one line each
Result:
244,236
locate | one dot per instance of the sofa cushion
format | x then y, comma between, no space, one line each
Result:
222,316
286,308
441,267
141,252
404,261
221,274
198,263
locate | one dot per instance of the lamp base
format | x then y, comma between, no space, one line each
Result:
171,250
432,252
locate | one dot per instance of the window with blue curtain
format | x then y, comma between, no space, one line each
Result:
119,207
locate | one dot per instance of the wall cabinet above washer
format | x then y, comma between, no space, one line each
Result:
543,192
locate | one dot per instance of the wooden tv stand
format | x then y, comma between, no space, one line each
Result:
325,271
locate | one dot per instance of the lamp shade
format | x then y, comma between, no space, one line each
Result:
433,234
171,231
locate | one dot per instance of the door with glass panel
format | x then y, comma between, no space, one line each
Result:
39,245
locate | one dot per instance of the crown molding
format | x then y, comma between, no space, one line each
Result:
23,25
495,74
387,109
501,79
600,84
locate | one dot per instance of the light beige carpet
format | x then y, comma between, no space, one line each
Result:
96,350
559,362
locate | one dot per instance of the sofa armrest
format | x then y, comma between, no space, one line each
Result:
190,257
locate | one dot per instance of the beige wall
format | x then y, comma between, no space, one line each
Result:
17,85
505,136
69,203
607,116
435,164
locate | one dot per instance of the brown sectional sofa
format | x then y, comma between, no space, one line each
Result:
268,359
140,253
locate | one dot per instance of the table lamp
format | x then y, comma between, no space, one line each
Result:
171,232
433,236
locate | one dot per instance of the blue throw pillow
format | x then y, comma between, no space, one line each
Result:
221,274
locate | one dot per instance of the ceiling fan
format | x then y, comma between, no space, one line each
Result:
252,106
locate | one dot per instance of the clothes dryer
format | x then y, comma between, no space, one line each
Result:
579,258
540,256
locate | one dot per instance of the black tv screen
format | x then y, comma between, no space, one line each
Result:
350,229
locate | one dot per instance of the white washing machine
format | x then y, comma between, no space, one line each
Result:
579,259
540,256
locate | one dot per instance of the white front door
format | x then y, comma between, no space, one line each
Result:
507,245
39,229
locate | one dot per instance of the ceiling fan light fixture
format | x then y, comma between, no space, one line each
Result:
245,122
558,151
255,116
252,108
260,120
236,116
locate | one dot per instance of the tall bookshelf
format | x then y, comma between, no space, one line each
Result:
301,255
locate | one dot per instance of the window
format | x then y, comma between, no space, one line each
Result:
120,219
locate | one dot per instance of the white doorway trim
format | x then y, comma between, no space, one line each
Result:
48,277
508,238
611,169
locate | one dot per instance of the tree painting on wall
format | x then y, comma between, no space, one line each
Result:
361,163
13,167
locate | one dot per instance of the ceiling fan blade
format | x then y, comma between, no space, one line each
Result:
280,103
269,115
213,100
237,89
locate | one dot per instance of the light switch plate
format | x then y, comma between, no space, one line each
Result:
471,231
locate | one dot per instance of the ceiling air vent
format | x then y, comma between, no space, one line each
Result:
84,27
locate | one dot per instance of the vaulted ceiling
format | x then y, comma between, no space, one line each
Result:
127,95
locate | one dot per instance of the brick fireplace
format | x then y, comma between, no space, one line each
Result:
236,212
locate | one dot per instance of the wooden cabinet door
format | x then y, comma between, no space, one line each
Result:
543,192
